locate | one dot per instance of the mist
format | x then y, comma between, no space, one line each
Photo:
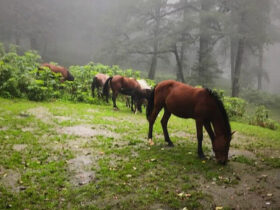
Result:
192,41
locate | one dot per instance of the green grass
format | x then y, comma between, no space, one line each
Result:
128,174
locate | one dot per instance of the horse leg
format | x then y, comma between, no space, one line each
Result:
127,101
199,138
139,104
114,97
151,120
209,130
92,90
164,121
132,103
98,91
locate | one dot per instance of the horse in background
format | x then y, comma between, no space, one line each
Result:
125,86
59,69
146,91
203,105
98,83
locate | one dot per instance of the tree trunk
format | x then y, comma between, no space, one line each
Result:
180,74
153,67
17,38
184,39
204,42
33,43
232,58
260,72
237,70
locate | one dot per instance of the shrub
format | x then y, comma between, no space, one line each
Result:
261,119
235,106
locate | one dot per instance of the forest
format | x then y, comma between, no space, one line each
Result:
63,147
192,41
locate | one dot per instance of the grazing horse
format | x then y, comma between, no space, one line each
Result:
144,87
201,104
123,85
98,83
59,69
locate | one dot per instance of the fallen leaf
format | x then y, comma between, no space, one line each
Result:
128,175
219,208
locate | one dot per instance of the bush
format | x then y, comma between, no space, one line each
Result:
235,107
20,77
14,73
261,119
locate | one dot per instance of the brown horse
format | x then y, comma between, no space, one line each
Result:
98,83
59,69
201,104
123,85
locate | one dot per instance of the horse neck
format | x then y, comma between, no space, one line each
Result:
218,123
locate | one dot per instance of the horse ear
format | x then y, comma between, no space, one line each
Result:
232,133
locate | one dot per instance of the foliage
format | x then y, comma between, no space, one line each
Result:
15,73
20,77
261,119
235,106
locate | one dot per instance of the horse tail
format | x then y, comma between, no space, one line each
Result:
150,105
105,90
93,86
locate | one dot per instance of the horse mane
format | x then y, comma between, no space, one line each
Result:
221,107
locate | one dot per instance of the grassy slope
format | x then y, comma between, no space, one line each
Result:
35,156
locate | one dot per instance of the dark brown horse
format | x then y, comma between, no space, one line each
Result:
201,104
59,69
125,86
98,83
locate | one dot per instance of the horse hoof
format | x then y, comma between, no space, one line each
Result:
116,108
202,157
170,145
150,142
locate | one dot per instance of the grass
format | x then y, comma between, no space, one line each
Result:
35,157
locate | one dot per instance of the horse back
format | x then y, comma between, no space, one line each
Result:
183,100
101,78
125,83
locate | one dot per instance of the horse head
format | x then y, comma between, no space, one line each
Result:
70,77
221,146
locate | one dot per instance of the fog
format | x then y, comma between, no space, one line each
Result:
206,36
